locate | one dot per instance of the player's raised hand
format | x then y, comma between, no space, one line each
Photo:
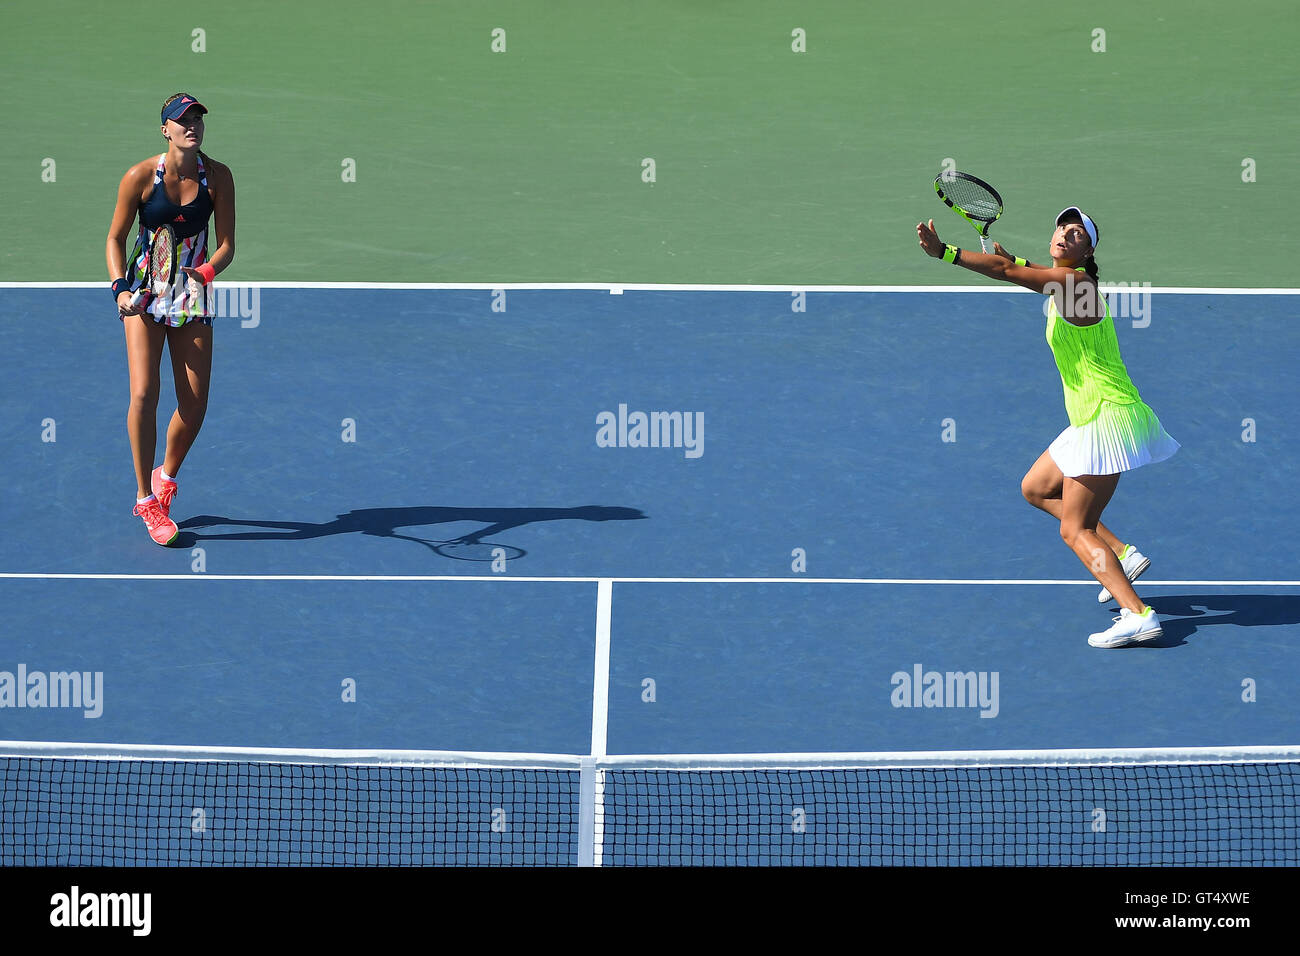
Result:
929,239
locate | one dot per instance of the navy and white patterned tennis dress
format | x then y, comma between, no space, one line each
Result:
187,300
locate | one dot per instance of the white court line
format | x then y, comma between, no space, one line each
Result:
582,579
618,288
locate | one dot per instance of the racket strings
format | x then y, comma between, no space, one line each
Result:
973,199
162,254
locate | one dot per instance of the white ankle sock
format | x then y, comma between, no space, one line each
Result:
141,501
165,477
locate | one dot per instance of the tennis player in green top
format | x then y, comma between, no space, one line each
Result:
1111,429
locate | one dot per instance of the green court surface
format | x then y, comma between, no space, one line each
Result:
771,166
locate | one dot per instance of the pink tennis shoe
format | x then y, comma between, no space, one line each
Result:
162,529
163,490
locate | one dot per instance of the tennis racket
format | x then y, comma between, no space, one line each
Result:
161,267
973,199
466,549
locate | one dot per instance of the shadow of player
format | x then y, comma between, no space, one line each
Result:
1181,616
384,522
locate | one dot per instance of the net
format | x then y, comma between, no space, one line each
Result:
1219,814
404,809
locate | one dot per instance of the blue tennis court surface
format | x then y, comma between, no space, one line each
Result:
822,436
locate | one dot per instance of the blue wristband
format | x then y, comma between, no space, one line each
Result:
120,286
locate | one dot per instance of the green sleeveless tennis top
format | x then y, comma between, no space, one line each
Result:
1088,359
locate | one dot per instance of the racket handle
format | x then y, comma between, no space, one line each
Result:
984,243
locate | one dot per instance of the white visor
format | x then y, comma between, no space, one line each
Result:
1088,224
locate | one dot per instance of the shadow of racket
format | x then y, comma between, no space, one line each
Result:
466,548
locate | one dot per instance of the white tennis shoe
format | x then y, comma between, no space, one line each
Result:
1129,628
1134,563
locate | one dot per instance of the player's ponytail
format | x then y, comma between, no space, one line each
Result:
1090,265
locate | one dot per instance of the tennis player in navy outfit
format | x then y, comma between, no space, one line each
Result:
187,190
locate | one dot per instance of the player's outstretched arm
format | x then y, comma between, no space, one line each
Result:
1038,278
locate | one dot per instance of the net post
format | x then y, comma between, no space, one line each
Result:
591,779
587,811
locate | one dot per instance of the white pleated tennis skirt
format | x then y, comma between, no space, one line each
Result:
1118,438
